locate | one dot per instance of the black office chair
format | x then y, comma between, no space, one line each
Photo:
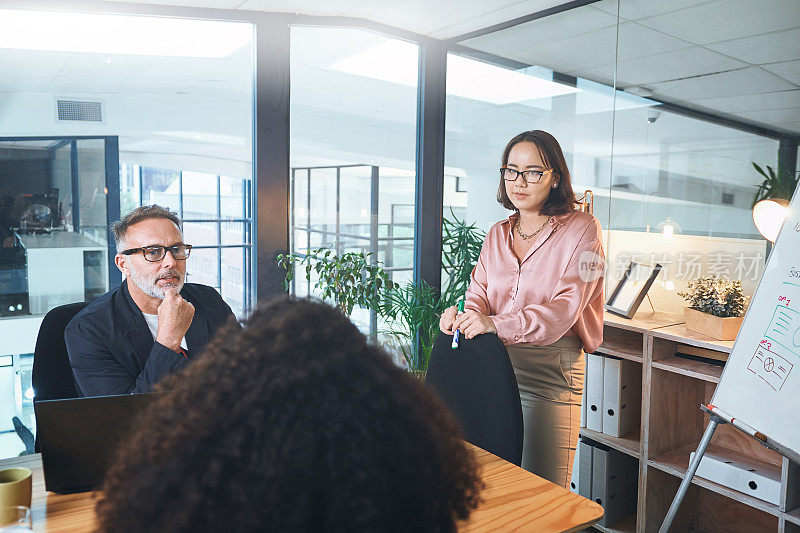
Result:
477,383
52,377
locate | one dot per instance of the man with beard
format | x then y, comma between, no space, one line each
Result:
153,323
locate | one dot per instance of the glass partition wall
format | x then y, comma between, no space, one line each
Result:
629,96
353,141
179,108
659,106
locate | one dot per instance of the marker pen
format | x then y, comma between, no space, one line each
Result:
454,345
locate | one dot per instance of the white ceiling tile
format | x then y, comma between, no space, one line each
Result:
752,102
221,4
193,68
24,83
790,70
104,65
86,84
598,48
461,20
727,19
15,62
638,9
790,127
532,34
306,7
767,48
684,63
773,116
751,80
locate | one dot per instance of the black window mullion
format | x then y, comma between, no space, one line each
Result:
430,163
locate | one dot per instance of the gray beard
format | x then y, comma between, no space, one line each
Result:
148,286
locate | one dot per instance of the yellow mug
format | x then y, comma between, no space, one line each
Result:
15,489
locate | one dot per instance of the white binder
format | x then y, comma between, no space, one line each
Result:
739,472
583,405
622,396
575,480
594,391
615,478
585,469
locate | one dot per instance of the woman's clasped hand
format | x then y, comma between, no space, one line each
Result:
471,323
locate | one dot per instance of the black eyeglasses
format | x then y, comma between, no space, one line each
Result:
528,176
156,253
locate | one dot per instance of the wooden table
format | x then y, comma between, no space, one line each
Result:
514,499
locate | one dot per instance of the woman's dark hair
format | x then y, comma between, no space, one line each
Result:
294,423
561,200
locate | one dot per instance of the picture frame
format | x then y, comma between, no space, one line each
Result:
632,288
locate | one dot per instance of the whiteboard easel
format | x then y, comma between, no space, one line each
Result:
760,385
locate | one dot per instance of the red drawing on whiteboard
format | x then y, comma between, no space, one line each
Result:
770,366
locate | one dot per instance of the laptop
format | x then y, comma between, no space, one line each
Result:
79,437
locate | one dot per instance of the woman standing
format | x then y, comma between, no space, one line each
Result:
538,284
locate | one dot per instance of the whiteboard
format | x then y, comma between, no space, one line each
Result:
760,385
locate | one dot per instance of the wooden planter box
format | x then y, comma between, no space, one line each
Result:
723,329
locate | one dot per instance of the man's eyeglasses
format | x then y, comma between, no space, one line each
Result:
528,176
156,253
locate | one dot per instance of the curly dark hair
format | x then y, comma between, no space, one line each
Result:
294,423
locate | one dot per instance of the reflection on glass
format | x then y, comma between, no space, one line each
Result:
92,175
203,267
179,101
233,196
53,247
161,186
671,189
233,277
200,233
234,233
200,195
353,156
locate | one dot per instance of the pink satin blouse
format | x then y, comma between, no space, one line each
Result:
556,290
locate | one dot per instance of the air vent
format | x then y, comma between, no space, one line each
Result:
80,110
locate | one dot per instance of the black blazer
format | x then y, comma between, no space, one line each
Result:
111,349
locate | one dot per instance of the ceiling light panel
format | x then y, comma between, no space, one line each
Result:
121,34
396,61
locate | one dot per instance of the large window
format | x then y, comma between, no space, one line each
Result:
353,115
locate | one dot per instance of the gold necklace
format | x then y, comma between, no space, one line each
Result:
532,235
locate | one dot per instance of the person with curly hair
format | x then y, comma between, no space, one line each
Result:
294,423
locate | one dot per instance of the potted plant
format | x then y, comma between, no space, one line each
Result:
414,309
716,307
413,313
351,279
411,310
778,183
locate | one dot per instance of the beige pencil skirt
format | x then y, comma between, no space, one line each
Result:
550,380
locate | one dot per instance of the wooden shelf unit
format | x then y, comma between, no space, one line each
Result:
629,443
626,525
673,388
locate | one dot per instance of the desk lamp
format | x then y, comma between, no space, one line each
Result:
768,216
